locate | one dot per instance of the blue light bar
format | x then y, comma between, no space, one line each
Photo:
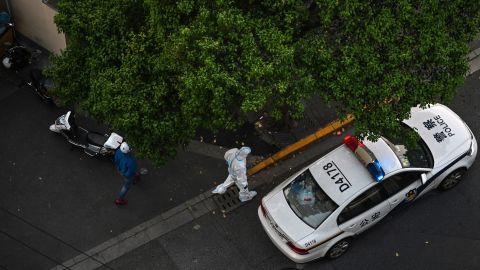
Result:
366,157
376,170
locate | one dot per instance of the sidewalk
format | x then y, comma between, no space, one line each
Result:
474,55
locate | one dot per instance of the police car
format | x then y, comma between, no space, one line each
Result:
317,211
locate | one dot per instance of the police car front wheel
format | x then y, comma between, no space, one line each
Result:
452,179
340,248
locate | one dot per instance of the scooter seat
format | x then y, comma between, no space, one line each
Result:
96,138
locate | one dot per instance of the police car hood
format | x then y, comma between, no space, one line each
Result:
442,130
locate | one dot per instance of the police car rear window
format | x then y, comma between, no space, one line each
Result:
411,156
308,201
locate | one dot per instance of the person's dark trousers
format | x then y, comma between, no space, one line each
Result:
127,183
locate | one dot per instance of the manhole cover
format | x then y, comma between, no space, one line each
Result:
228,201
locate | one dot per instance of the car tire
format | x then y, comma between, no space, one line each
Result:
338,249
452,179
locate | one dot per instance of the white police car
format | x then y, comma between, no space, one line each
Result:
316,212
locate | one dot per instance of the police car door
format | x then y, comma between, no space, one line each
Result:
402,187
364,211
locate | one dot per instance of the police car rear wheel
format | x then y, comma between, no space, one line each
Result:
337,250
452,179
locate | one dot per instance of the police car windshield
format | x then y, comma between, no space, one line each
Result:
308,200
415,156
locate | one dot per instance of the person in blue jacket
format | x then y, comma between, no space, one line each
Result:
127,167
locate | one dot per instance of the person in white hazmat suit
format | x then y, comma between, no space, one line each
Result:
237,173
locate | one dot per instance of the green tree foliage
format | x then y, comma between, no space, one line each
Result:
158,70
389,56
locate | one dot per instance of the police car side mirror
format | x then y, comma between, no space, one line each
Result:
424,178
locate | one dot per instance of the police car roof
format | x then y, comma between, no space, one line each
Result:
442,130
341,175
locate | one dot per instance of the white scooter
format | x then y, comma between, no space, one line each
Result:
93,143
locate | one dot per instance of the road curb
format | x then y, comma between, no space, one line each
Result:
473,54
320,133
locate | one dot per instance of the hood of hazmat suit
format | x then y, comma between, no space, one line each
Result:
243,153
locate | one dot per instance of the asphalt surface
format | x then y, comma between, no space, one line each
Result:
57,202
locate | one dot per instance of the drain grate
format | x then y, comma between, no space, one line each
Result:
228,201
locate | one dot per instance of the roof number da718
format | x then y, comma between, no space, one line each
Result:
337,176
